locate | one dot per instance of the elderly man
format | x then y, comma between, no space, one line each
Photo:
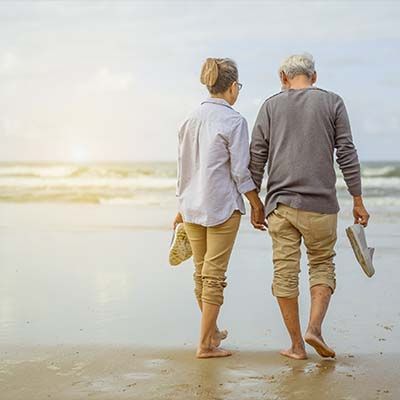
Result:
295,135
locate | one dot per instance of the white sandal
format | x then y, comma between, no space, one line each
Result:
363,253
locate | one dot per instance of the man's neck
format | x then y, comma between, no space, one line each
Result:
300,82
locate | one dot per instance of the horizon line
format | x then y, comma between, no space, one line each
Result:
131,161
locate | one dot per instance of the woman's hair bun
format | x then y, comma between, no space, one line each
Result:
209,72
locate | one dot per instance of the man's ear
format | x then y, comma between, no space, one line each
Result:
284,79
314,78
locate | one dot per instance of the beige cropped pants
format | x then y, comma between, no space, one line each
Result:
212,247
287,227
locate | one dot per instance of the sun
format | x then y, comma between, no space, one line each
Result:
79,153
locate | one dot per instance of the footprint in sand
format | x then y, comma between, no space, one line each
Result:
246,377
5,372
139,375
78,366
386,327
53,367
75,370
311,367
156,362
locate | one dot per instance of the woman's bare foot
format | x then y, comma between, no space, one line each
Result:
212,352
315,340
218,336
224,334
296,353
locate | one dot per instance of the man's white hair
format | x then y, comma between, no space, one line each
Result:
298,64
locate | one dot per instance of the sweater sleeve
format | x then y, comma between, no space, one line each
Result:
259,146
346,153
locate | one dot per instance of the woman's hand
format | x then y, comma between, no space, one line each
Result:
258,218
178,220
257,211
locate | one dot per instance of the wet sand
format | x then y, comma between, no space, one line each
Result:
90,308
76,372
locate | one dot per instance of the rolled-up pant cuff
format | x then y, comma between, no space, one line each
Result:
197,293
218,301
279,291
213,291
324,282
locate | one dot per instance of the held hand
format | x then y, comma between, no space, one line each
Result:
178,220
360,213
258,218
257,211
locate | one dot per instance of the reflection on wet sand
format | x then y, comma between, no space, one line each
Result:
310,380
74,372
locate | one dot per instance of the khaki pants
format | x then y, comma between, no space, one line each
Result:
287,226
212,247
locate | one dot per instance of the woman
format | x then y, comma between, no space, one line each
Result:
212,176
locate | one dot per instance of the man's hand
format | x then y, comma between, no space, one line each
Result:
360,213
258,218
178,219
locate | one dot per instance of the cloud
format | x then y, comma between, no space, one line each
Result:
8,62
12,128
104,80
123,75
8,127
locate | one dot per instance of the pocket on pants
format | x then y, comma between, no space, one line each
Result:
323,226
270,221
275,220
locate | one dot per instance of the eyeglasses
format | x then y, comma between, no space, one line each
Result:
239,85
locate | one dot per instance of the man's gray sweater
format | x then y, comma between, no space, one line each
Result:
295,135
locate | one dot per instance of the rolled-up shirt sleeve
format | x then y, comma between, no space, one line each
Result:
238,146
259,146
346,153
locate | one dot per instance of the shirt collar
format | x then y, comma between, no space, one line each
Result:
216,100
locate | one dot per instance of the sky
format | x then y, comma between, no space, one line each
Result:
113,80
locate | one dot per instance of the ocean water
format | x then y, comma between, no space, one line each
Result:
147,183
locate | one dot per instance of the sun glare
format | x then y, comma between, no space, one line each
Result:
79,154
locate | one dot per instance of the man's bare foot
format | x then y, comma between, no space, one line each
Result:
316,341
296,353
212,352
218,336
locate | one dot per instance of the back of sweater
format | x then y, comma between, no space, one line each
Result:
295,135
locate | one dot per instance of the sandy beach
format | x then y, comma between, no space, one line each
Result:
115,372
90,307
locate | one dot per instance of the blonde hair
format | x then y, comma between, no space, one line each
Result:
218,74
